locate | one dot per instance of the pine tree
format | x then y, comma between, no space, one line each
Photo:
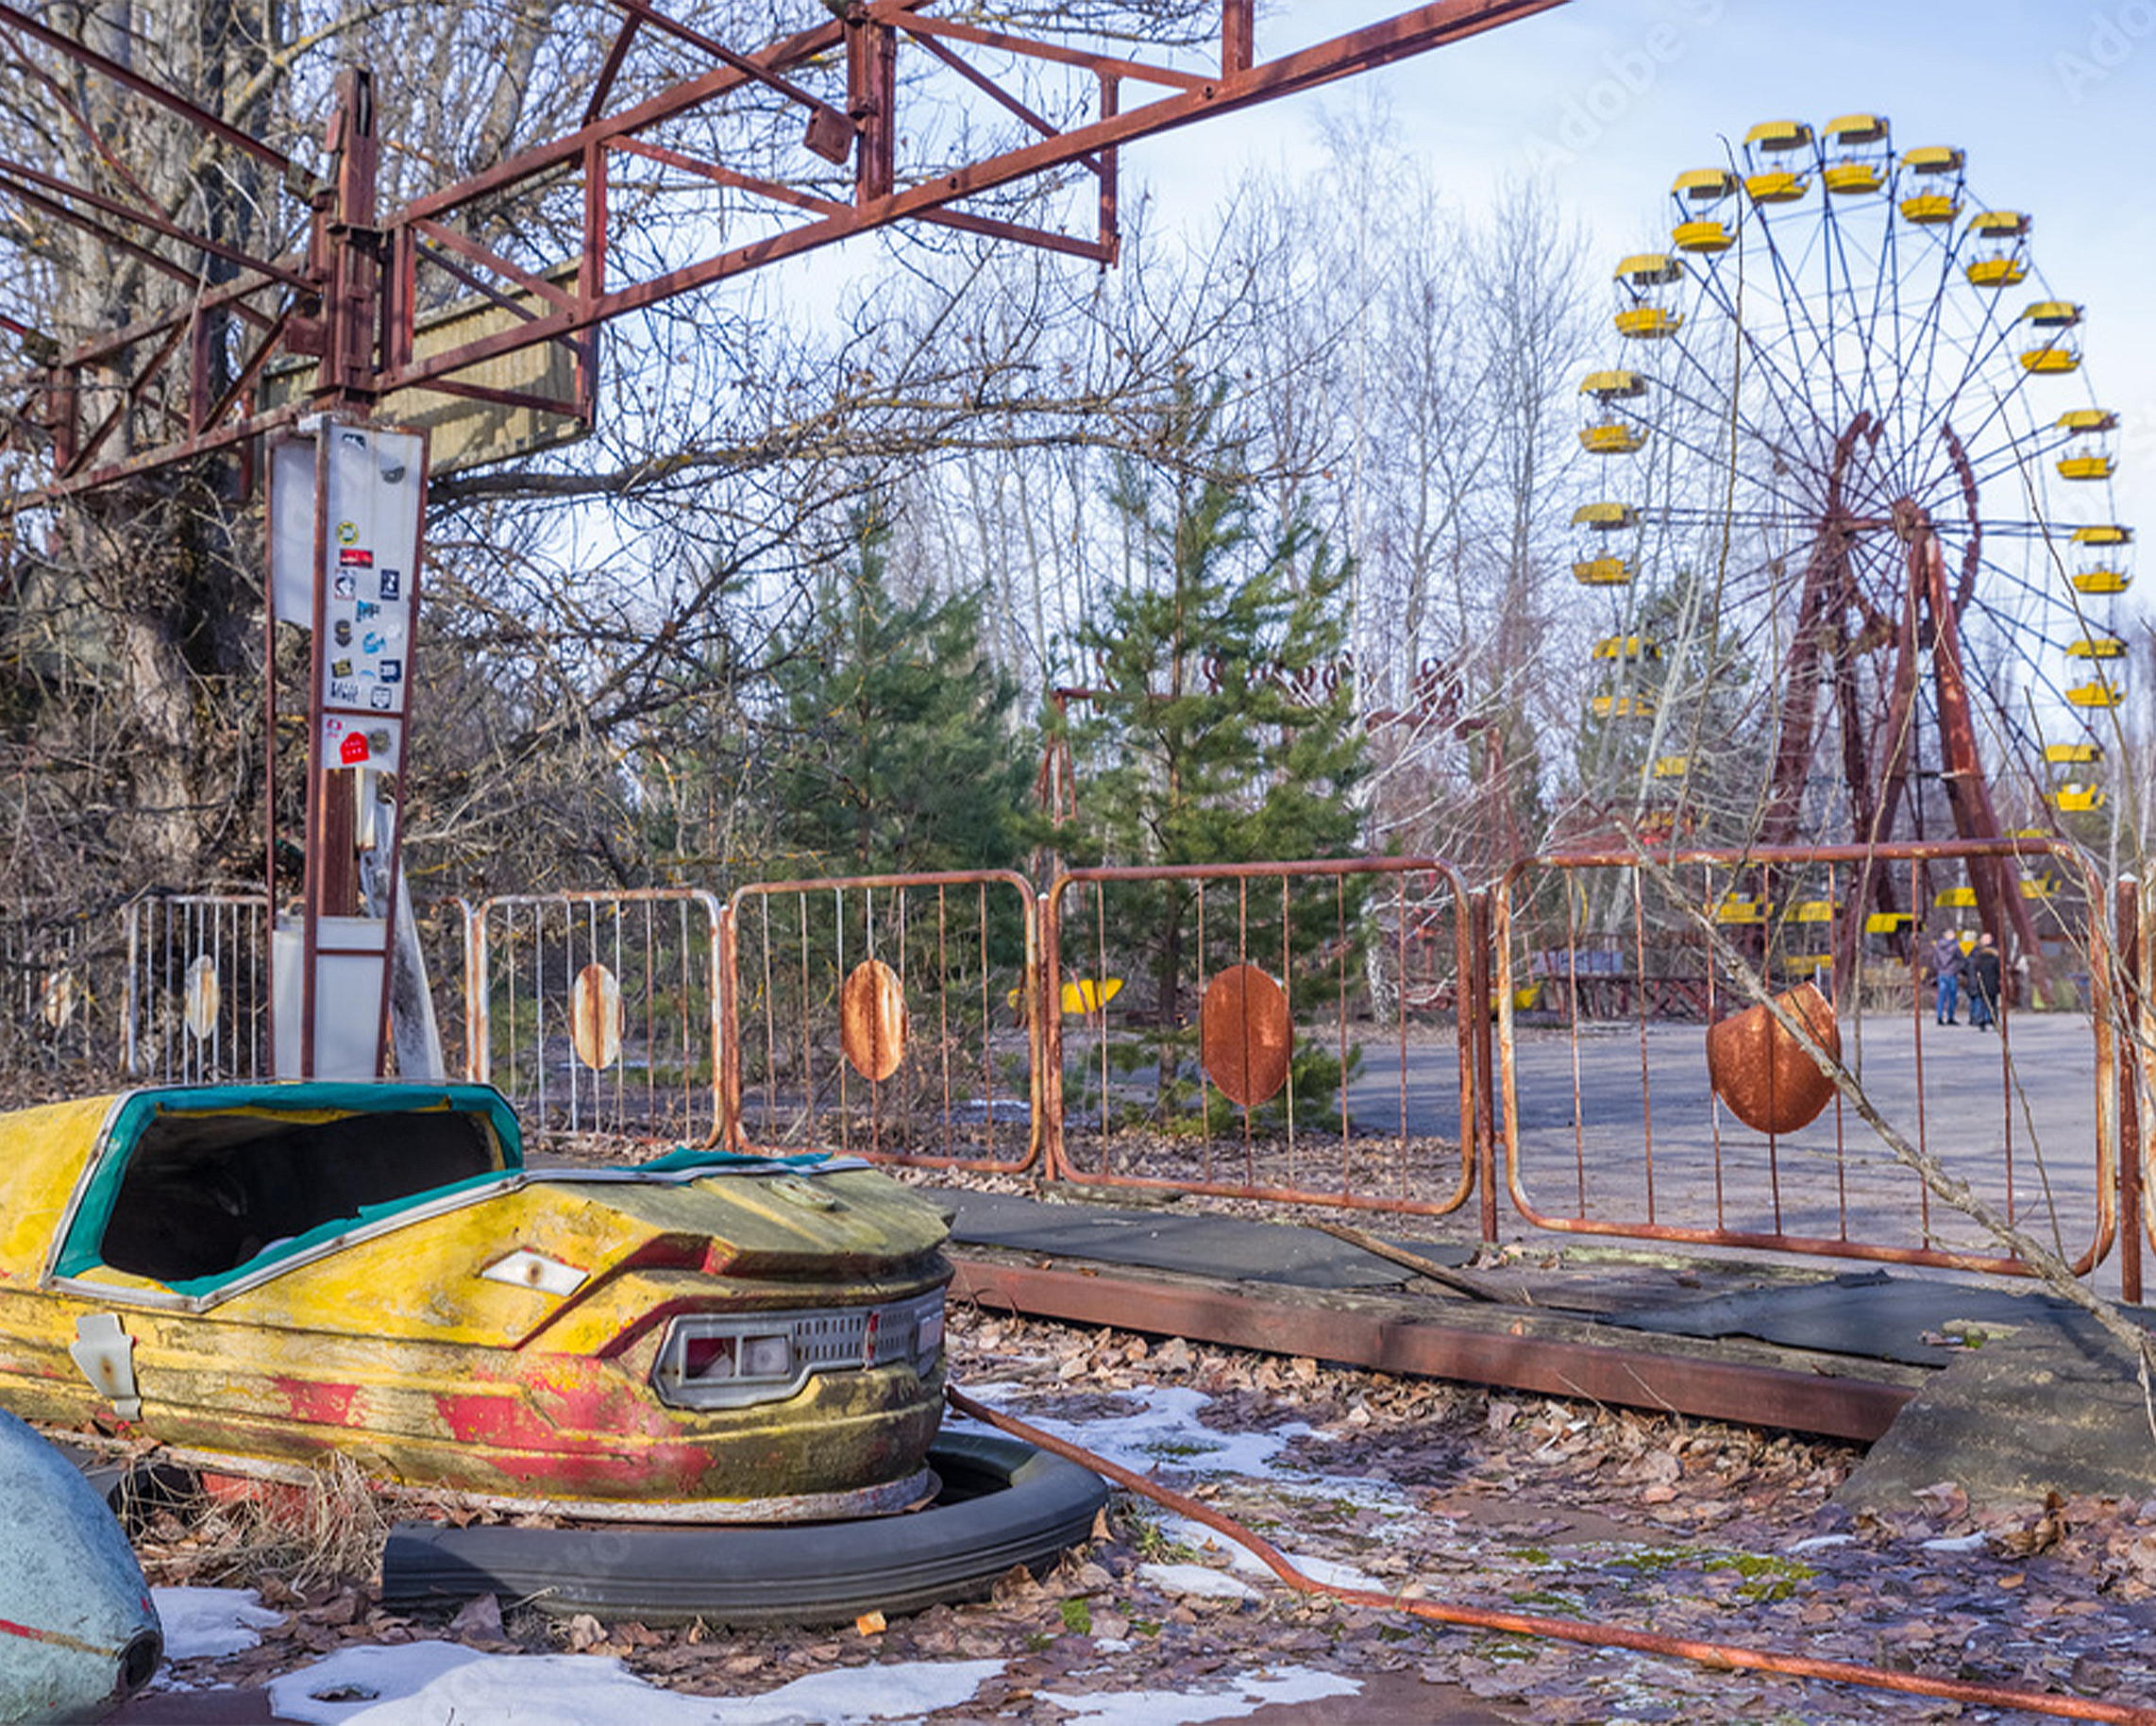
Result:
892,751
1222,730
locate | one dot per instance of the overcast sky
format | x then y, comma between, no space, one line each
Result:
2051,99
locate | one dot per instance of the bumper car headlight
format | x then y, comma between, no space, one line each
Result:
719,1361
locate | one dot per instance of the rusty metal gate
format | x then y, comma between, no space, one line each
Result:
1282,1031
887,1016
194,1001
1364,1034
1609,1125
599,1012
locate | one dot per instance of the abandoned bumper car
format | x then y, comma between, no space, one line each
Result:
258,1275
253,1278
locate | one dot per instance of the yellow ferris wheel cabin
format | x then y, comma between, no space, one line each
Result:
1604,433
2001,260
1859,154
1701,189
1642,276
2059,353
1600,569
1927,205
2088,453
1773,180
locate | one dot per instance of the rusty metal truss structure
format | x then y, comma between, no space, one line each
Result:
348,311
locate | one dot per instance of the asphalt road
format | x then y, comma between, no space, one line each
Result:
1617,1126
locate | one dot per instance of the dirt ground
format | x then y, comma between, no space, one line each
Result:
1428,1490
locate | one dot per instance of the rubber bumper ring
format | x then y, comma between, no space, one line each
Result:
1004,1504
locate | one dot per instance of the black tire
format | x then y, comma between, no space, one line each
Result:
1002,1503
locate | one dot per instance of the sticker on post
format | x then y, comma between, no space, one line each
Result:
352,752
392,583
342,587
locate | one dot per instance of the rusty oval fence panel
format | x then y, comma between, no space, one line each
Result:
1607,982
887,1016
1143,1060
195,987
599,1012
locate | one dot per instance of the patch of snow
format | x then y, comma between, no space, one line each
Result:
1164,1432
1200,1579
441,1684
201,1622
1215,1547
1959,1543
1188,1708
1816,1541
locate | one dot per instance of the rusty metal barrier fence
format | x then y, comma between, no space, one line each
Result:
886,1016
1280,1031
1610,1126
599,1012
194,990
60,989
1360,1034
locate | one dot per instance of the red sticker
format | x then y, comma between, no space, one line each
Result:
353,750
356,560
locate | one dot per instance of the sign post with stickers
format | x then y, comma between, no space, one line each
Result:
346,506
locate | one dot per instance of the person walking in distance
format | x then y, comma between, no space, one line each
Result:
1983,982
1946,961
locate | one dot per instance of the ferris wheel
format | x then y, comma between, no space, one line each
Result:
1853,529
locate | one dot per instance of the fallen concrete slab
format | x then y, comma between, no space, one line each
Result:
2036,1410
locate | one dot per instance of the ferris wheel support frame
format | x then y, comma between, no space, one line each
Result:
1877,777
1997,880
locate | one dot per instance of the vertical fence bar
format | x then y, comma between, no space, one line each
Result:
2132,1064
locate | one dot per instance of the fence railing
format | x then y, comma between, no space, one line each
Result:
1283,1031
2025,1118
889,1016
196,989
59,990
599,1012
1355,1033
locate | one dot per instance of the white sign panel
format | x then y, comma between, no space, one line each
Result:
370,551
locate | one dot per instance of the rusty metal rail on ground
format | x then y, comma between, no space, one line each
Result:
1510,1347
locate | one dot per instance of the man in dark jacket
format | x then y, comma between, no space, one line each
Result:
1946,960
1983,982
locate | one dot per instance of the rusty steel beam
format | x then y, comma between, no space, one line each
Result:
1394,1342
1412,32
349,240
127,78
